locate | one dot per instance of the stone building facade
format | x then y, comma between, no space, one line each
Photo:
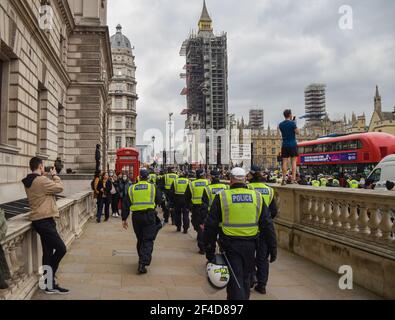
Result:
123,98
381,121
55,62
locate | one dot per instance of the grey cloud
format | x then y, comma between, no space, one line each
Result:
276,48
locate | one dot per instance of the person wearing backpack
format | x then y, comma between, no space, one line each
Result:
4,270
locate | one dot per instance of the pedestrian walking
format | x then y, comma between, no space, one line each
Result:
104,197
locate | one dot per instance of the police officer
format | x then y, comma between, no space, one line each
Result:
168,181
181,213
262,254
143,198
353,183
152,176
238,215
194,198
316,183
213,189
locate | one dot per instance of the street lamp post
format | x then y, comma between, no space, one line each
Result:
153,147
190,140
170,136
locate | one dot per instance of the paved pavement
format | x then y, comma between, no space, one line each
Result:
92,271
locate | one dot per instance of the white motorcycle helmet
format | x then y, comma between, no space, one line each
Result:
218,272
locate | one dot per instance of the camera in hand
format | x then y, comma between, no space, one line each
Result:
48,169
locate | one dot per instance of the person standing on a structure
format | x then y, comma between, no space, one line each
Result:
289,150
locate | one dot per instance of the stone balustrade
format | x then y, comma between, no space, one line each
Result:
335,227
22,246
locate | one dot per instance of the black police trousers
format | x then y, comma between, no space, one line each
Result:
145,228
181,215
198,219
166,208
241,256
262,262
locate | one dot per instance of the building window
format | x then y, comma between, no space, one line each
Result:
118,103
130,104
118,123
4,101
129,142
273,150
129,123
118,142
42,110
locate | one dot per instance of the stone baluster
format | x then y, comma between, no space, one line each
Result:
307,207
344,217
328,213
336,214
354,217
363,221
374,222
322,211
386,224
315,213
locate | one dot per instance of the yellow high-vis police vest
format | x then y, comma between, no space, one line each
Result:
241,210
336,183
169,179
153,178
214,189
180,186
197,189
315,183
264,190
354,184
142,196
323,182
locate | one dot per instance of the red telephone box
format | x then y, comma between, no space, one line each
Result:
128,162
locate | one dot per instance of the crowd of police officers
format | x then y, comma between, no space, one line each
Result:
235,219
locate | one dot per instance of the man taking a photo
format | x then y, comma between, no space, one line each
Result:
40,191
289,150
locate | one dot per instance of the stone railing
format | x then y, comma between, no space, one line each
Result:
335,227
22,246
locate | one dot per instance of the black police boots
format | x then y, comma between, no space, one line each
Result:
142,269
260,288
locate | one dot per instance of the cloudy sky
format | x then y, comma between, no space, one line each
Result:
276,48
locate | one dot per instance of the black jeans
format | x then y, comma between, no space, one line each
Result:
54,248
103,202
114,203
146,229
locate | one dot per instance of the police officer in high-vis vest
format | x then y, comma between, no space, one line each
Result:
262,254
194,198
152,176
239,215
143,199
181,213
213,189
169,178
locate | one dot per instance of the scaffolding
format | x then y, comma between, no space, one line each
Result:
315,103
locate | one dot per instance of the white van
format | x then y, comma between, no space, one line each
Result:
385,171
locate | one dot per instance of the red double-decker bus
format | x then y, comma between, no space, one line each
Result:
354,153
128,162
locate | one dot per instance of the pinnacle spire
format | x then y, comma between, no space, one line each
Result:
205,22
205,15
377,91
